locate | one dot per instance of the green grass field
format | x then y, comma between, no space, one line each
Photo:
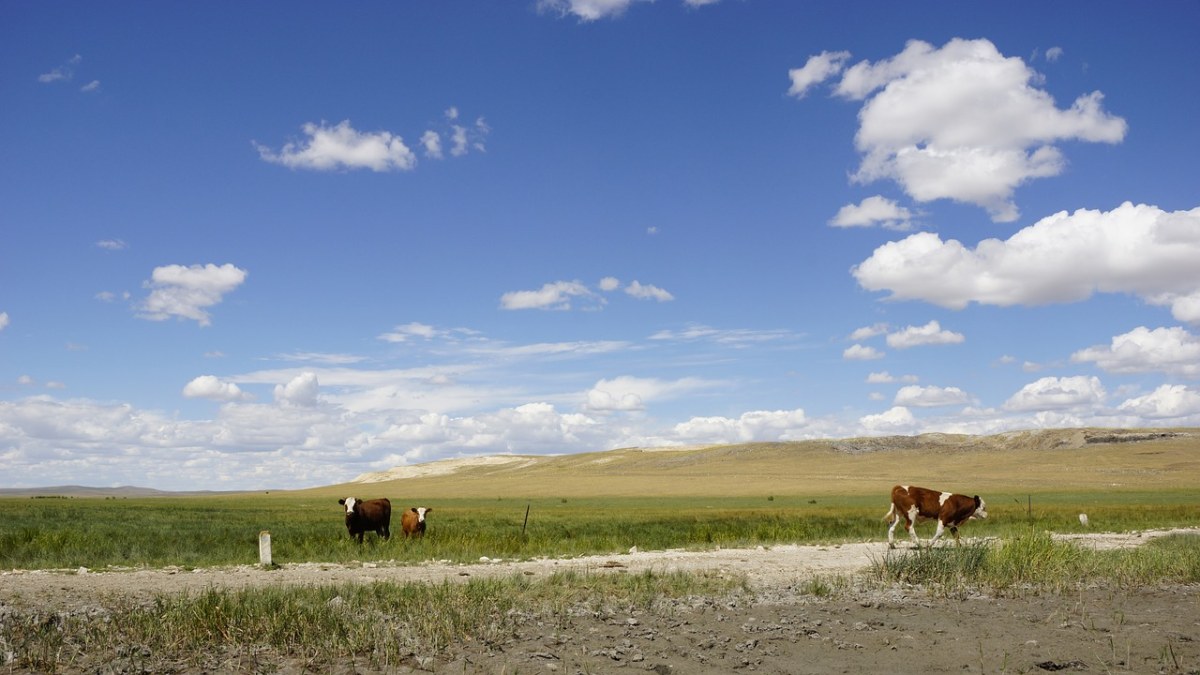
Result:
599,503
224,530
759,494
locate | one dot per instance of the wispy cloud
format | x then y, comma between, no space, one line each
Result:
462,138
556,295
63,73
112,245
732,337
565,295
593,10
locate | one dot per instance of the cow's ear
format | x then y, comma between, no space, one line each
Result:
342,501
413,509
428,509
977,500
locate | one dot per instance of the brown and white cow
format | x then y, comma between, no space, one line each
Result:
914,504
412,522
363,516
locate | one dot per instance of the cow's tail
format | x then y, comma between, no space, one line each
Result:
890,514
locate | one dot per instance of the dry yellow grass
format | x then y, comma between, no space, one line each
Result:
1076,460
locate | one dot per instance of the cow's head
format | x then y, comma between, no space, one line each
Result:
349,503
421,511
980,508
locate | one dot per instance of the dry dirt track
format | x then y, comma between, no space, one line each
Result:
766,568
779,628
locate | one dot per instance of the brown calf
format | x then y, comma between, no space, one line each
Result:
362,516
914,504
412,523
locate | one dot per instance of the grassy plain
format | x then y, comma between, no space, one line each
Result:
732,496
728,496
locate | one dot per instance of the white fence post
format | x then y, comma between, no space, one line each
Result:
264,548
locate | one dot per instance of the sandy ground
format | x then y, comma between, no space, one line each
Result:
779,628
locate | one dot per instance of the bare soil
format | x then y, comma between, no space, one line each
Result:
779,627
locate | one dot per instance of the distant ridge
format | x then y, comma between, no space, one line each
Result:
84,491
1029,460
1039,439
1046,458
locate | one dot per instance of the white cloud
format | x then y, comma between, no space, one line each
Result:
1170,350
929,397
330,148
873,211
1057,393
884,377
859,352
963,122
92,86
109,296
759,425
458,140
897,420
411,330
1169,401
867,332
593,10
211,387
648,292
1061,258
556,295
738,337
628,393
185,292
432,142
301,390
56,75
561,295
3,320
112,245
462,139
1054,53
62,73
815,71
929,334
587,10
322,358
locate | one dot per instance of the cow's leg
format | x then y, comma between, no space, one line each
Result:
938,535
892,530
910,524
954,531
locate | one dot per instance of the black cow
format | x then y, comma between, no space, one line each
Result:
372,514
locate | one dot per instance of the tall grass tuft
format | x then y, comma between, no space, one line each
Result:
386,623
1034,559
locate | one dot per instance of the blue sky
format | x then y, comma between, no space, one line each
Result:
278,245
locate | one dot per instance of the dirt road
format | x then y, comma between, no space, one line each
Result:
779,628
